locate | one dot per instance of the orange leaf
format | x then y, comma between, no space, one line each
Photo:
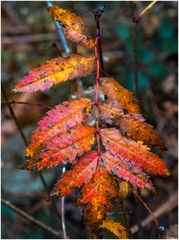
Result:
72,24
82,172
111,110
115,228
58,120
132,125
130,150
55,71
96,195
140,131
113,90
63,147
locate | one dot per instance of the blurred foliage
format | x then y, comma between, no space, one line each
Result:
28,38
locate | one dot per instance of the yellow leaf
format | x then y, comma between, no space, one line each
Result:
115,228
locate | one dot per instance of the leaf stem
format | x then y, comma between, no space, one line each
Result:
146,206
97,92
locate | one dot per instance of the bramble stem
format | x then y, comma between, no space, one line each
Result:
30,218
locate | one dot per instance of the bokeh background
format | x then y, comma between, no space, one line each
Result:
28,38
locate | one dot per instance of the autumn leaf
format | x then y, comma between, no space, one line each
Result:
137,153
127,171
131,125
111,110
55,71
96,195
62,148
140,131
59,120
113,90
73,26
115,228
81,172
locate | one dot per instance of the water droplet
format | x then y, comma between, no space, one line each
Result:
161,228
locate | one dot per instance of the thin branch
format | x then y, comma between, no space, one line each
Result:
28,39
30,218
13,115
138,17
27,103
60,33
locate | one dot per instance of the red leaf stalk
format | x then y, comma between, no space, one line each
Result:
147,207
97,92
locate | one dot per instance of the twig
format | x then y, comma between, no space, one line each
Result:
170,204
138,17
34,38
27,103
30,218
26,143
60,33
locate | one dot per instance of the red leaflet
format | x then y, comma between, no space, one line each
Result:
129,172
118,145
81,172
63,117
96,195
64,147
55,71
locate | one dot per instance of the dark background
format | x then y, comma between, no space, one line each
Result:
28,38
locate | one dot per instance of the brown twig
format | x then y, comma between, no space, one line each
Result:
27,103
35,38
30,218
13,115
